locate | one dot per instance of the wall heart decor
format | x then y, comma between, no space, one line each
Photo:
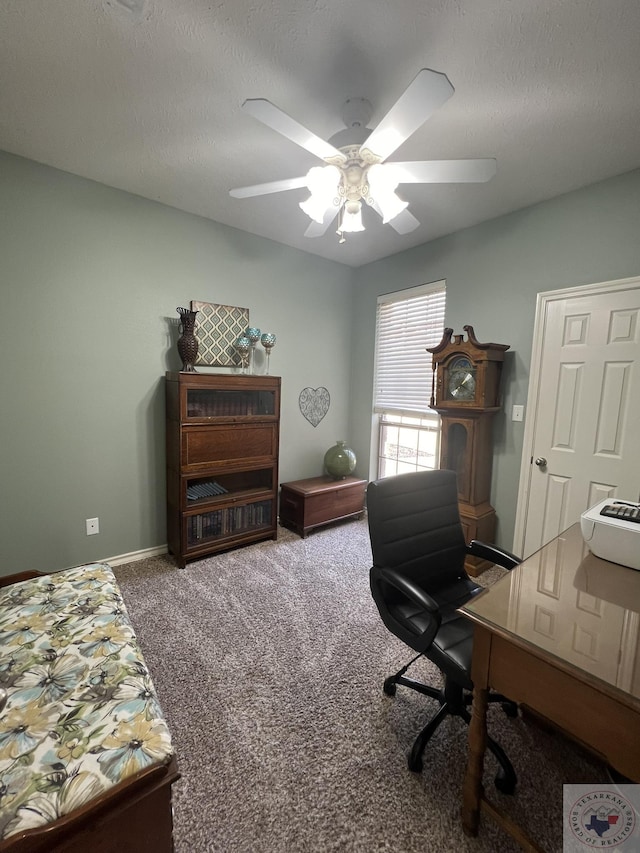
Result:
314,404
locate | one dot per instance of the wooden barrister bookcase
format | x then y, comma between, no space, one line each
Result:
222,461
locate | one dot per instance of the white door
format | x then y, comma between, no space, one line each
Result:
583,423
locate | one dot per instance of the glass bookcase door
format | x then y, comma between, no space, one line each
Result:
223,487
232,446
205,403
228,521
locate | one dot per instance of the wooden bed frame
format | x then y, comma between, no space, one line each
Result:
134,816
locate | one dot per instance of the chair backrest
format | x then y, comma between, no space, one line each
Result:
414,527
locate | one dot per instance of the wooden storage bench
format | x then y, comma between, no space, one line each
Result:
86,760
305,504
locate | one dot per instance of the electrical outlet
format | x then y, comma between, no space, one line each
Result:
517,413
93,526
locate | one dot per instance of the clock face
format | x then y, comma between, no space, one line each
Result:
461,380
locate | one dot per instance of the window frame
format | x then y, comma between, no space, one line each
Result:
403,375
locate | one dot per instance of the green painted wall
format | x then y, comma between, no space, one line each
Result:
493,273
91,278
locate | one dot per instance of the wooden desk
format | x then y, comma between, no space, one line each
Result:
559,634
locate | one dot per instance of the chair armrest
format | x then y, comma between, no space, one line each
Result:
491,552
411,591
399,620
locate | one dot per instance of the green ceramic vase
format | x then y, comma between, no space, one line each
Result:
339,461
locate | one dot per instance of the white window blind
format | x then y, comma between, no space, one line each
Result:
407,323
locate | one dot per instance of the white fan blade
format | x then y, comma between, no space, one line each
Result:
277,120
270,187
403,223
317,229
443,171
428,91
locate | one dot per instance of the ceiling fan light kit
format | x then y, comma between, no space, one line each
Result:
321,183
350,219
383,182
355,171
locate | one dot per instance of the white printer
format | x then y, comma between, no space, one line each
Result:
611,529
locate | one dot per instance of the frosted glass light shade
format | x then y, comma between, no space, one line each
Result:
383,183
322,182
352,217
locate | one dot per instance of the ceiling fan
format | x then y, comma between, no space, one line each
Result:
355,169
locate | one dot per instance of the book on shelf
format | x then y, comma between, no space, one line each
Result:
222,522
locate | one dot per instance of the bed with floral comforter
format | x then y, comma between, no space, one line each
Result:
78,710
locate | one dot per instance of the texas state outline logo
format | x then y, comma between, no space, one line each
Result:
601,819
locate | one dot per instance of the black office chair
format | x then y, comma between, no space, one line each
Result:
418,581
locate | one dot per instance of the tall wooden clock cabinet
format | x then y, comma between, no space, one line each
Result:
466,394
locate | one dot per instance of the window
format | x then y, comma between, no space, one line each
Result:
407,323
407,444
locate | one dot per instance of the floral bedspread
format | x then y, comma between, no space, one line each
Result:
81,712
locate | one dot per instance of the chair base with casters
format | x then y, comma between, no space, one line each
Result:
453,701
418,582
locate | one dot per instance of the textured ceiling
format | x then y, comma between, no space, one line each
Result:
145,96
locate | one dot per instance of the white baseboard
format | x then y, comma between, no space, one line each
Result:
132,556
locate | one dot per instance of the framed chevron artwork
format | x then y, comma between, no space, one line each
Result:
218,327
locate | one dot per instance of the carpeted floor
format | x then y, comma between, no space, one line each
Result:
269,662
